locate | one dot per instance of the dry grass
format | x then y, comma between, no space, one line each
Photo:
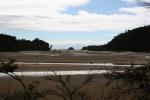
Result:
94,89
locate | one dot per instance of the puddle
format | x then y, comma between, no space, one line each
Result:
79,64
44,73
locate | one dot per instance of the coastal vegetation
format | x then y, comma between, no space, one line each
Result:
11,43
136,40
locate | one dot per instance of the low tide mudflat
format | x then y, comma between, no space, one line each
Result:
73,57
86,57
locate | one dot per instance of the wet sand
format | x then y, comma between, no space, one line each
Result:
78,57
73,60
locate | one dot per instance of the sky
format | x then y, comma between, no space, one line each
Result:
66,23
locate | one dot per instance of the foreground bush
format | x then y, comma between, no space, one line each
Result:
134,82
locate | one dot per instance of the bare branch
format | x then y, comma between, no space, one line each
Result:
65,87
144,3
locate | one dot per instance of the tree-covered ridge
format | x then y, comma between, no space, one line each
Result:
11,43
132,40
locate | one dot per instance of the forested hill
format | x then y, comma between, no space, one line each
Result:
11,43
137,40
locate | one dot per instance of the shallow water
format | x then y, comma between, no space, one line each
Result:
81,64
72,72
44,73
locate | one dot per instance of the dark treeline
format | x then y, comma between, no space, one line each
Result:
137,40
11,43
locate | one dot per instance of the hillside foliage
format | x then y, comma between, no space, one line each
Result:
137,40
11,43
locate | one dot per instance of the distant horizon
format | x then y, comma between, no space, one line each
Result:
76,47
70,23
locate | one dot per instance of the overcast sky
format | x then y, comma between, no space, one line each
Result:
66,23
